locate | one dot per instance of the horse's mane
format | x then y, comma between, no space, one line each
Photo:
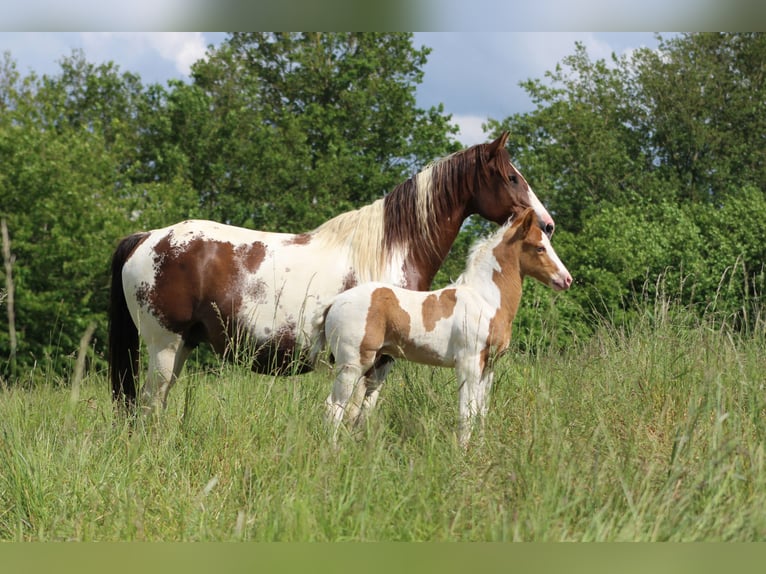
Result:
361,232
414,209
411,213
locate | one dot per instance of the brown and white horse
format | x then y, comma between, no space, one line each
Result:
201,281
465,325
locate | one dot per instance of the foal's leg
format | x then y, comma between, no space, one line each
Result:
339,401
470,397
167,355
373,382
485,388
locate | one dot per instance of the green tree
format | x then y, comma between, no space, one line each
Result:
303,126
75,178
653,166
705,111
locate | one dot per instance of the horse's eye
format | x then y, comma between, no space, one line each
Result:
540,249
514,180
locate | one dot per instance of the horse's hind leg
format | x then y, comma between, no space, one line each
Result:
339,402
373,382
167,356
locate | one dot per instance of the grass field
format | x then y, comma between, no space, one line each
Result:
652,433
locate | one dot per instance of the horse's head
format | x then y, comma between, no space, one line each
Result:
504,192
535,252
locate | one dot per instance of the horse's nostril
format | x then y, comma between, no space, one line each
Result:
549,229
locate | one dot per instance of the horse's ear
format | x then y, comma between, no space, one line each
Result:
525,221
499,143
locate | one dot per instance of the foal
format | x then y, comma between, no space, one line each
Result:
465,325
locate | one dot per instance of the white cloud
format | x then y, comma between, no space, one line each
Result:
471,132
542,51
181,49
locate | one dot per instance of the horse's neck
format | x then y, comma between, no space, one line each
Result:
421,265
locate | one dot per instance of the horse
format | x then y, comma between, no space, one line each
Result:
201,281
465,325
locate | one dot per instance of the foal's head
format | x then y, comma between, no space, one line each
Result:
524,241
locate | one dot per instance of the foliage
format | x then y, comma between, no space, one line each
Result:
277,132
289,130
651,163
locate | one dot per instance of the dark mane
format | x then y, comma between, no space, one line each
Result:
414,208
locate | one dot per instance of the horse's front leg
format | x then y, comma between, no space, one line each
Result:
485,388
166,358
339,403
470,397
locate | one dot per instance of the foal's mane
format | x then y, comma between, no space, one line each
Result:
480,252
411,213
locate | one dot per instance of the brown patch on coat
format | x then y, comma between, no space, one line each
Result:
300,239
256,291
279,354
349,281
387,325
520,241
437,308
196,290
251,255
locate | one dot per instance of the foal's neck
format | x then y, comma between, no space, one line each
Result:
509,282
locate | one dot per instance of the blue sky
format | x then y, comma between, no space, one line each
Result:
475,75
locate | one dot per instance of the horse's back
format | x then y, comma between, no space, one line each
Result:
206,280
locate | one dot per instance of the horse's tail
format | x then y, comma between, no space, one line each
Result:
320,341
123,333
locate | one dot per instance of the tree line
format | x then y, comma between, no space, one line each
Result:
651,163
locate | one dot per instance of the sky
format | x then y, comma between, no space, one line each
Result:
475,75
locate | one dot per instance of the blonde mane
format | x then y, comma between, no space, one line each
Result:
409,217
360,232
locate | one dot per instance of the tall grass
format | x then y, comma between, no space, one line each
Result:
652,431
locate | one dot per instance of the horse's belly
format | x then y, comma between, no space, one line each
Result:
428,347
290,304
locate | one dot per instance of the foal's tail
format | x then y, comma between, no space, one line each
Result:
320,342
123,334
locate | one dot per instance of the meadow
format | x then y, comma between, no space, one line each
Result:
648,432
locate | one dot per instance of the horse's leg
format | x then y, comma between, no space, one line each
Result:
339,402
485,388
373,382
469,393
167,355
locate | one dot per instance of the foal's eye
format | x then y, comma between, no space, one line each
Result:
541,249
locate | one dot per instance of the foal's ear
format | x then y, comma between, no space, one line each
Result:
524,222
498,144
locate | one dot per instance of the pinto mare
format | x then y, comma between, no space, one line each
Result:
200,281
465,325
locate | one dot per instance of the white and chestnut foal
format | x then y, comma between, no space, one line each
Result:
465,325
